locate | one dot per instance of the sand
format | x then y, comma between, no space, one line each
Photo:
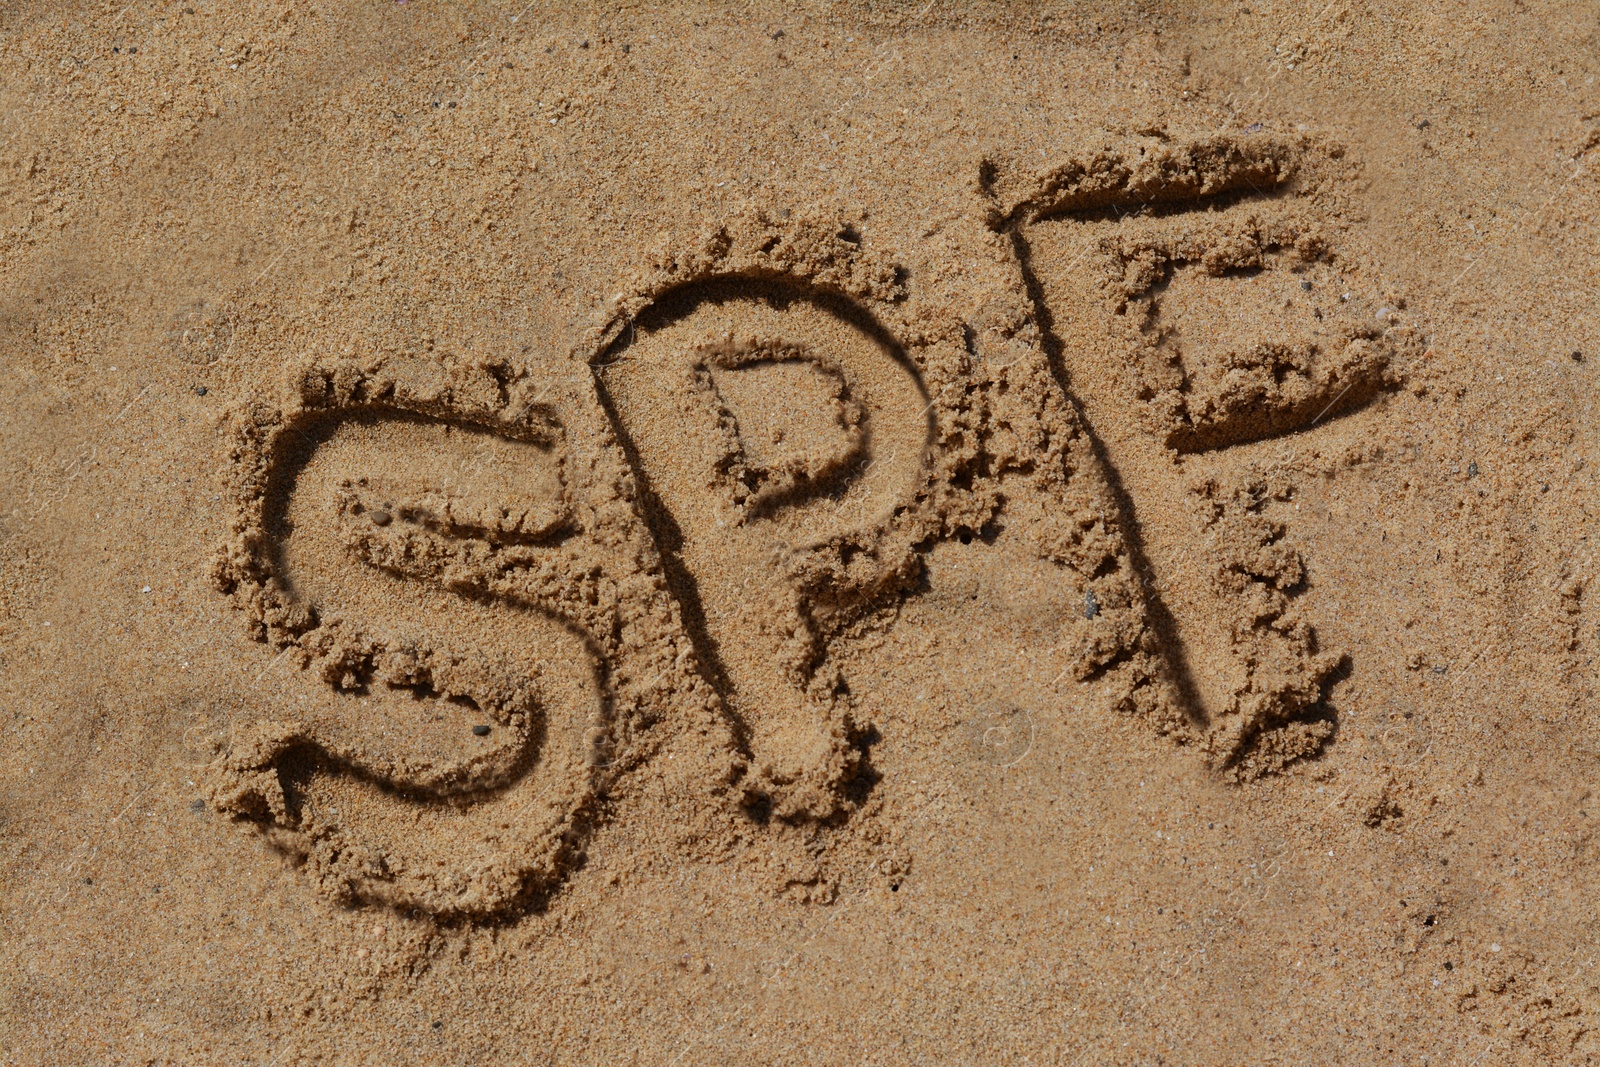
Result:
906,533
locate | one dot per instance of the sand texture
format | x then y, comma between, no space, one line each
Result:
905,533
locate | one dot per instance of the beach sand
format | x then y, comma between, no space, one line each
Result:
756,533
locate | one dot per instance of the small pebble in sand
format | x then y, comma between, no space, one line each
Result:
480,730
1306,286
1091,606
200,390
